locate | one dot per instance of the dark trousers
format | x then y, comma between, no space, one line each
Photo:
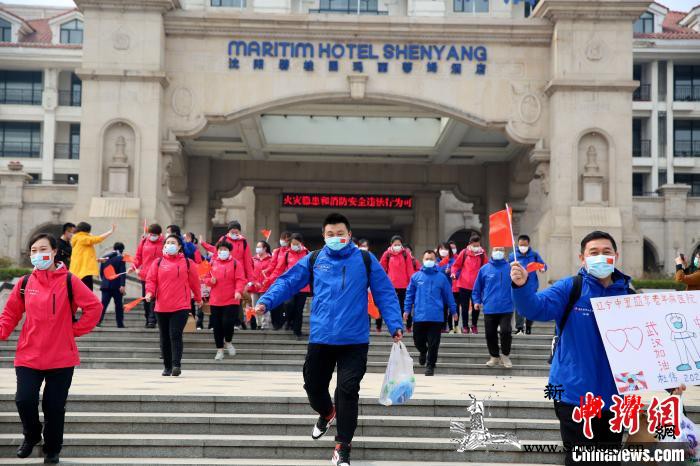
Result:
171,325
295,311
572,432
465,298
492,322
426,337
277,317
222,319
53,403
88,281
520,319
107,296
148,307
318,370
401,294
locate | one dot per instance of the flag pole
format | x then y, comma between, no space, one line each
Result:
510,224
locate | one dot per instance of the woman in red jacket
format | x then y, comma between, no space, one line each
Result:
149,249
277,314
46,351
397,262
241,248
171,282
294,308
464,271
226,281
260,282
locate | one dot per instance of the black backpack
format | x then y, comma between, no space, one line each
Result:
312,260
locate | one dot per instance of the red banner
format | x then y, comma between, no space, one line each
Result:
348,201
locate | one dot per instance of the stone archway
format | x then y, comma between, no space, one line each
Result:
651,258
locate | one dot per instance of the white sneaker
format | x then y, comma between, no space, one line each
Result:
493,362
505,360
231,349
219,355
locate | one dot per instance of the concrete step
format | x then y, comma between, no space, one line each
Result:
241,462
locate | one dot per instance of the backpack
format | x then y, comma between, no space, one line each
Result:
69,289
312,260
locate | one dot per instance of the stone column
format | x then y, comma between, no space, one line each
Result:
197,216
675,212
670,98
50,101
267,212
654,127
11,186
424,234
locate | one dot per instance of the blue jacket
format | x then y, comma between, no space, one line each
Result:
580,364
525,259
428,292
188,249
115,260
339,304
492,287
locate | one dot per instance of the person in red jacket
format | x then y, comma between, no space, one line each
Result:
241,248
397,262
46,351
464,270
150,249
294,308
277,314
226,281
171,281
260,282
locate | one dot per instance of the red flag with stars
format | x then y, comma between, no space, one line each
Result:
500,233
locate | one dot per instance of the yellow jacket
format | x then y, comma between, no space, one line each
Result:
83,259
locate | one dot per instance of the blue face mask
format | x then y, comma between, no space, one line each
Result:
428,264
678,325
170,249
600,266
42,260
696,262
336,243
498,255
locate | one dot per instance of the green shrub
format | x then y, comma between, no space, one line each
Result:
7,274
5,262
658,284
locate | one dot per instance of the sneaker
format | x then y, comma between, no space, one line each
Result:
518,332
25,450
475,330
409,329
200,328
341,455
430,371
219,355
493,362
230,348
505,360
51,458
167,372
176,371
322,426
150,325
528,331
422,358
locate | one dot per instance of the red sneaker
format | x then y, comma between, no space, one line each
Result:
475,330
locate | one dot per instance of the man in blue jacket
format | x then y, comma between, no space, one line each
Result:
428,292
491,294
339,276
526,256
113,289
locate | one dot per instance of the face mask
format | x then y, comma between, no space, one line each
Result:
154,238
224,254
476,249
283,243
42,260
696,262
498,255
454,250
523,249
397,248
444,252
233,236
170,249
258,250
336,243
428,264
296,248
600,266
364,248
678,325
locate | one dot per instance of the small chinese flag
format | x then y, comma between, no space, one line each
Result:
610,260
145,226
535,266
266,233
203,268
500,234
132,304
110,273
372,308
249,313
126,257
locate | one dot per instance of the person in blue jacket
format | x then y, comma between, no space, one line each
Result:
339,276
113,289
428,292
580,364
491,294
526,256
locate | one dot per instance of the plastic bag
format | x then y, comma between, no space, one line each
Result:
399,381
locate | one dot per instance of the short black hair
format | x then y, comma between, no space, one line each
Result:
155,229
429,251
68,225
524,238
594,235
396,238
408,246
83,226
194,237
266,246
224,244
286,234
474,239
334,219
47,236
297,236
234,225
175,230
176,236
118,246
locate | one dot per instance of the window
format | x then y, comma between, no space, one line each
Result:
5,31
686,138
471,6
529,6
72,32
686,82
74,144
21,87
70,178
638,181
20,139
690,179
645,24
348,6
229,3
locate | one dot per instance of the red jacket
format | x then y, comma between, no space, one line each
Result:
240,252
171,284
286,261
261,282
399,267
47,338
146,253
230,278
273,263
467,266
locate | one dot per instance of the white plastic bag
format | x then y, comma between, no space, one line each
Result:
399,381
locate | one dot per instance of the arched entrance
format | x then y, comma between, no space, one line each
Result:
651,259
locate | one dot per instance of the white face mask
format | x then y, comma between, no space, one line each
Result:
234,235
224,254
170,249
259,250
283,243
364,248
498,255
444,253
523,249
454,250
476,249
397,248
296,247
154,238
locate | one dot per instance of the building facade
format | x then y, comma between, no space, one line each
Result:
416,117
